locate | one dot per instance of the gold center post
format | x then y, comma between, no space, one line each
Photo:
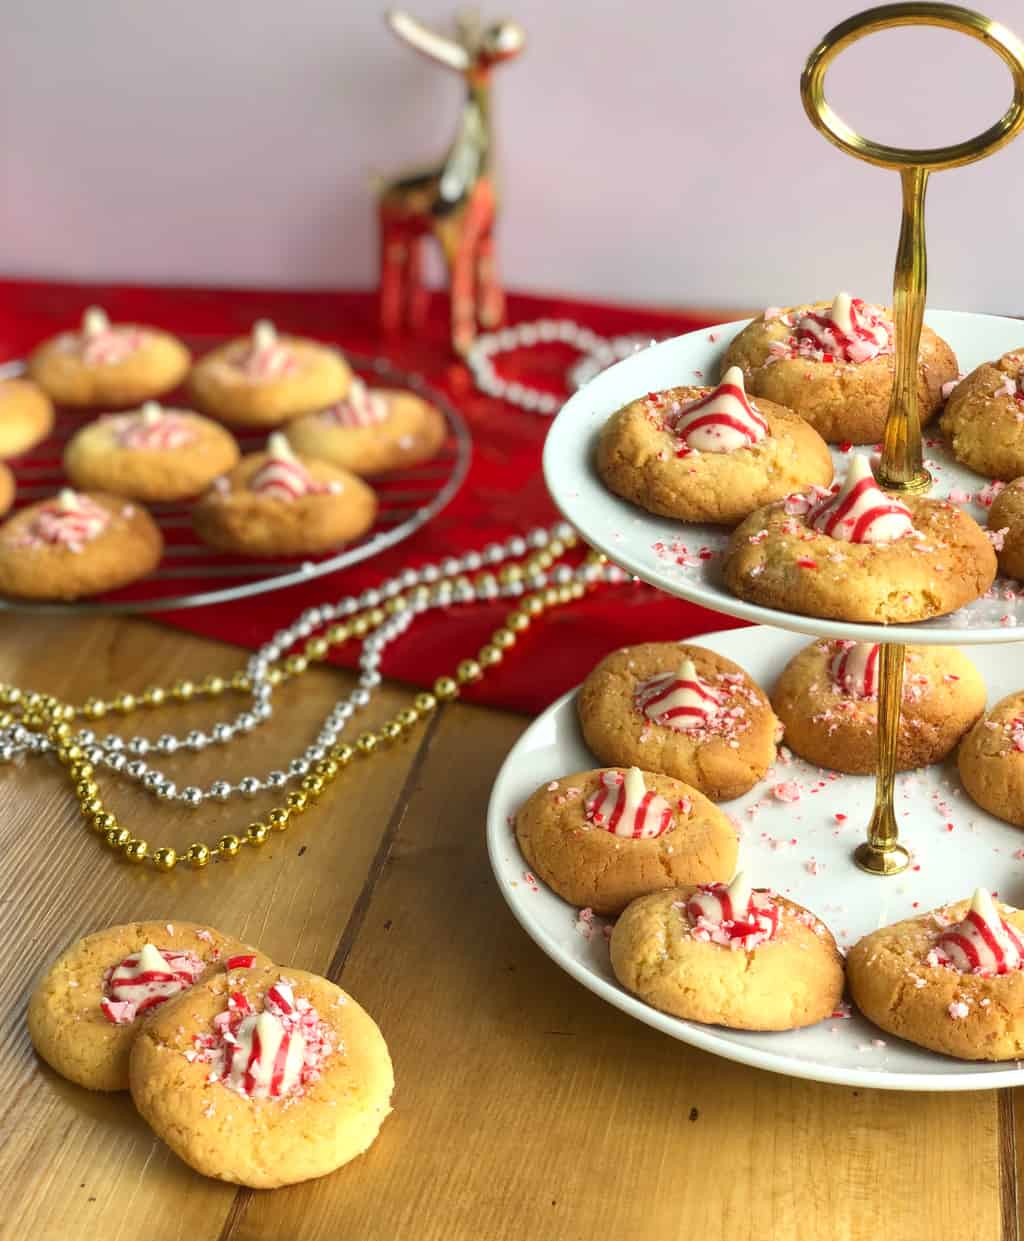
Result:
902,467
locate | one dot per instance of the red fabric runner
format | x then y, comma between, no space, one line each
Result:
504,493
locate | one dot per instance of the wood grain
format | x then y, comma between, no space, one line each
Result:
526,1109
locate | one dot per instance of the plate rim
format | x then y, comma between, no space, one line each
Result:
693,1033
555,480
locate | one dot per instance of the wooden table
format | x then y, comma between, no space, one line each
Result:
525,1108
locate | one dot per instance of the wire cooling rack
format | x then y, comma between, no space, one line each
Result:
190,574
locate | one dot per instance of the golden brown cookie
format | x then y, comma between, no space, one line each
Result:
602,838
991,760
151,454
708,454
1006,521
76,544
264,379
793,356
372,431
108,364
7,488
775,967
827,700
302,1086
783,557
276,504
630,717
26,416
984,418
90,1004
902,979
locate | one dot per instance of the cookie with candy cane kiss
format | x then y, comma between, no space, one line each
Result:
728,955
108,364
984,418
26,416
832,362
265,378
601,838
90,1004
681,710
372,431
827,700
74,544
152,454
263,1078
856,553
950,980
709,454
991,760
275,503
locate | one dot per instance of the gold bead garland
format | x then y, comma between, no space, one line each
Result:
48,715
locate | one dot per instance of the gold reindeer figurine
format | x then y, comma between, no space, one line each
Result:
456,201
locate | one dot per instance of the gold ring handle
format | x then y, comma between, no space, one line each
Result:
994,35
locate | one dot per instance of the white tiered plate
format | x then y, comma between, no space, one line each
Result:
684,559
800,849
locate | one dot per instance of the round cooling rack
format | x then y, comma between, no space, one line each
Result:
190,574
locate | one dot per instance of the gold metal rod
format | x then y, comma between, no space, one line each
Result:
881,853
902,465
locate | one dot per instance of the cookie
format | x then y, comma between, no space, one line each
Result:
264,379
991,760
833,364
949,980
602,838
26,416
152,454
371,431
728,956
858,554
108,364
274,1079
75,544
7,488
984,418
681,710
827,700
708,454
276,504
90,1004
1006,524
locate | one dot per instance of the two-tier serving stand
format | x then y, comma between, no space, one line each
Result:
683,561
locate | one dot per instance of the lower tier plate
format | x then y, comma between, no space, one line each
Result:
803,849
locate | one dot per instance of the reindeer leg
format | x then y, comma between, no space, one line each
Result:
418,293
392,270
460,251
490,296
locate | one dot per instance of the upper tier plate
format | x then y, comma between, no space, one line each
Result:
683,559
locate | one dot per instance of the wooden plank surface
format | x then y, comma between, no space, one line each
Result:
525,1108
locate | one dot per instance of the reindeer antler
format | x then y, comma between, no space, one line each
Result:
428,42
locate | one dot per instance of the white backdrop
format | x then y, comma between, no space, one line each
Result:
651,151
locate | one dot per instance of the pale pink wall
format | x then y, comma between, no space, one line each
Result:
653,150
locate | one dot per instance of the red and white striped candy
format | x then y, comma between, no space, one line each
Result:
983,943
733,915
722,421
101,344
145,980
854,669
360,408
678,700
267,357
282,476
265,1061
624,807
851,331
860,511
153,428
69,520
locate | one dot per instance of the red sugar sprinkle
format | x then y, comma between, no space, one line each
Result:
807,564
840,817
